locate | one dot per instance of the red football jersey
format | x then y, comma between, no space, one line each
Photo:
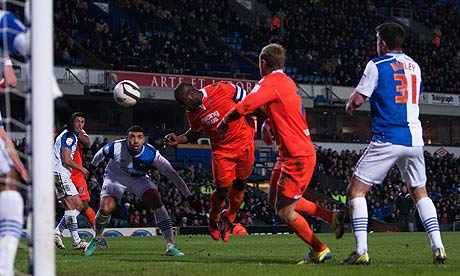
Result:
218,99
78,158
278,94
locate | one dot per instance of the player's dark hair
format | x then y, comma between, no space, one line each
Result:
77,114
135,128
274,56
393,35
182,89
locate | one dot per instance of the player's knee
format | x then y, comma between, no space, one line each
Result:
285,215
222,193
239,184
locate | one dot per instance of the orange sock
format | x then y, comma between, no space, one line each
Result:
90,216
216,207
235,197
312,209
302,229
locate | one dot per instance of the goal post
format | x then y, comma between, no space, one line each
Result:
41,117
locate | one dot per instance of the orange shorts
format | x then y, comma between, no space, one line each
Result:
82,187
229,166
291,176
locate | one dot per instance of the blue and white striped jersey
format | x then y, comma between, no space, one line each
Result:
65,140
393,84
15,33
123,162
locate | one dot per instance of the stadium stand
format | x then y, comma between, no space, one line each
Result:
182,39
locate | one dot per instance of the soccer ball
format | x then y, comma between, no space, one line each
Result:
126,93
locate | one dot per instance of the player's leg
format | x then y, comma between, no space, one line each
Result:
82,188
412,170
146,190
371,169
112,192
67,193
11,221
242,172
295,175
223,171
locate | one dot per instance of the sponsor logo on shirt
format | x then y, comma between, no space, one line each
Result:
211,118
69,141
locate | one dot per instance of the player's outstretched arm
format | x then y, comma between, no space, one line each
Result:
172,139
163,165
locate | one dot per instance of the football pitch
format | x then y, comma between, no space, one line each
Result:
391,254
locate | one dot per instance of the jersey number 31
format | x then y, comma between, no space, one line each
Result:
402,88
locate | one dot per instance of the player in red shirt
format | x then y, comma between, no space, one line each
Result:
232,156
277,93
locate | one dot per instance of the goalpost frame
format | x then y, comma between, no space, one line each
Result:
41,120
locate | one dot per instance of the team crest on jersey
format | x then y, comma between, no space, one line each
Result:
69,141
106,150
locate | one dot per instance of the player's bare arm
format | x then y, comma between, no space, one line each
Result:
67,160
83,139
172,139
356,100
14,155
9,78
231,116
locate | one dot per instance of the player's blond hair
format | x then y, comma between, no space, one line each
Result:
274,55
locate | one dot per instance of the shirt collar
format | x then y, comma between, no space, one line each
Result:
395,53
204,100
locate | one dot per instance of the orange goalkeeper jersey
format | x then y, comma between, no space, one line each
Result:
278,94
218,99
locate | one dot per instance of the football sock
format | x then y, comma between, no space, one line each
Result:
302,230
11,220
101,222
235,197
61,225
216,207
72,225
90,216
427,213
309,208
165,224
165,168
359,217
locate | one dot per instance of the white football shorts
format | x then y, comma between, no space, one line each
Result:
63,186
115,185
379,157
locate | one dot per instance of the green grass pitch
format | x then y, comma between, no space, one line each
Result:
391,254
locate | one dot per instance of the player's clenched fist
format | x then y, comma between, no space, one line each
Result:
170,140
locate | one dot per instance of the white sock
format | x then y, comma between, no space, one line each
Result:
429,218
72,225
62,225
358,211
165,224
11,220
100,223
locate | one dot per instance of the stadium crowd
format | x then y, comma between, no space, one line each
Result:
200,37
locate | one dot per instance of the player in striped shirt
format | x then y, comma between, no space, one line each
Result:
393,84
130,161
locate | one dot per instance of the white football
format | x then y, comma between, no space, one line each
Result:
126,93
